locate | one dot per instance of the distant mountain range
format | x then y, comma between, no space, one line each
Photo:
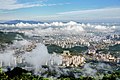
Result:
23,21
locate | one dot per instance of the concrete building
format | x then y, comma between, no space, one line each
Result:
72,60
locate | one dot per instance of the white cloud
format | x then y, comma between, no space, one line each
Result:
93,14
99,27
59,28
13,4
110,14
95,11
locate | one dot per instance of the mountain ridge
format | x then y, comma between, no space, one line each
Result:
23,21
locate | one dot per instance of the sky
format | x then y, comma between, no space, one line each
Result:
77,10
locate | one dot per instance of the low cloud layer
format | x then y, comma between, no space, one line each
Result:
60,26
7,57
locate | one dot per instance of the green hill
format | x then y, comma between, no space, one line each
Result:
58,49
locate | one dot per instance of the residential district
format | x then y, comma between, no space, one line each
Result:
68,60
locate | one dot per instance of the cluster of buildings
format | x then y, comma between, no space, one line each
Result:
13,62
69,42
102,57
17,55
69,60
66,43
72,60
106,57
25,48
